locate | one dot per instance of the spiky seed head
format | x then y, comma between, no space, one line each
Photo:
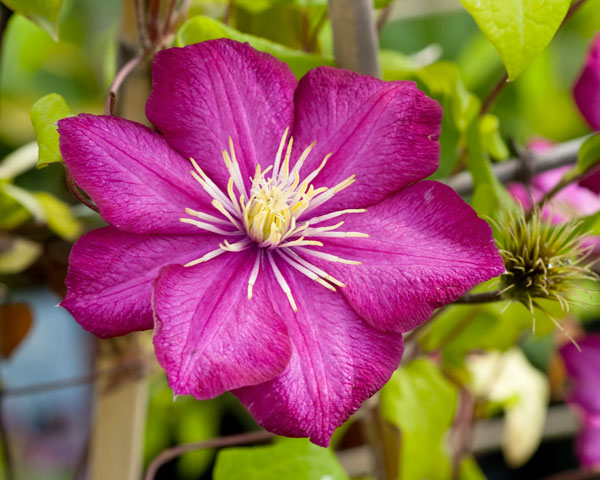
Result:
542,260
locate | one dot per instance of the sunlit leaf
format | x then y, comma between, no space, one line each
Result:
469,470
491,140
519,29
42,12
589,154
16,254
19,161
591,224
197,421
44,114
58,216
493,326
484,178
15,323
290,459
26,199
381,3
12,213
443,78
421,403
201,28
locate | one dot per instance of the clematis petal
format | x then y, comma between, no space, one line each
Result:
204,93
208,336
582,368
592,181
139,183
109,281
338,361
385,133
588,441
426,248
587,87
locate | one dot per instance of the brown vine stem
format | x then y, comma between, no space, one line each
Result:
119,78
384,16
572,9
511,170
489,100
231,440
484,297
168,22
461,431
77,193
579,474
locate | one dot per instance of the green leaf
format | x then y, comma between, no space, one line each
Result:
469,470
58,216
197,421
26,199
291,459
201,28
381,3
493,326
590,224
491,140
396,65
444,78
16,254
589,154
44,114
44,13
19,161
12,213
421,403
519,29
484,178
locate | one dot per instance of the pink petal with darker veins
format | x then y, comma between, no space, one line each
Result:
385,133
109,281
338,361
139,183
426,247
204,93
587,87
208,336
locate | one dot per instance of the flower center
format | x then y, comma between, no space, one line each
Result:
274,216
267,215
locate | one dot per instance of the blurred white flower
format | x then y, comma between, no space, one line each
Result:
507,378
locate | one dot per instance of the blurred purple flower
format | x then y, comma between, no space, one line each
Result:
571,202
583,369
242,266
587,88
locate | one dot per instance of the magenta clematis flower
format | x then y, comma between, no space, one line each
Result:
587,87
275,234
582,369
587,97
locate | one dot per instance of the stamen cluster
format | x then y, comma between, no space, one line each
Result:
273,215
542,261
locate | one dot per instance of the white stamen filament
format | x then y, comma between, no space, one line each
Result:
254,273
210,228
310,274
271,216
282,283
